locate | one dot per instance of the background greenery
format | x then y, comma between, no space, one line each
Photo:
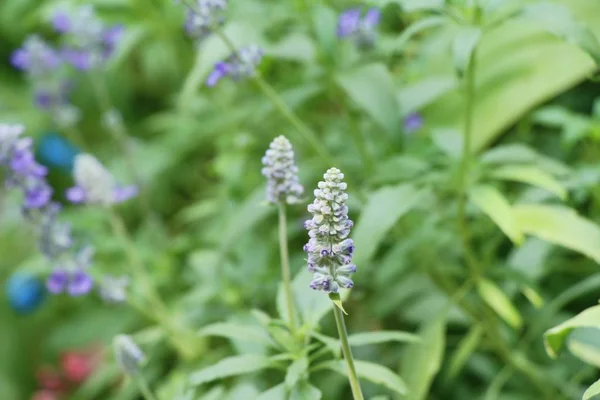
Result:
214,257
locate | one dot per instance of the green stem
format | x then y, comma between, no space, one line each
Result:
137,268
352,376
465,164
285,267
282,107
144,387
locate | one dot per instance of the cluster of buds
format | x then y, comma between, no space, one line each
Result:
329,249
54,237
45,70
281,172
362,30
94,184
241,64
89,42
203,16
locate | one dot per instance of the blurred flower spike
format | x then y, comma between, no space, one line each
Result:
281,172
128,354
329,249
94,184
361,29
89,42
202,16
237,66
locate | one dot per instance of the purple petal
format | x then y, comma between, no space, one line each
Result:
20,59
76,195
219,72
372,17
37,196
57,281
348,22
80,59
81,283
61,22
413,122
124,193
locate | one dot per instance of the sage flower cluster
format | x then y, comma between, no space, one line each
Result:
89,42
94,184
54,237
329,249
360,29
203,16
281,173
239,65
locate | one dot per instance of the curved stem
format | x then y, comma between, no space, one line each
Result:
352,376
285,267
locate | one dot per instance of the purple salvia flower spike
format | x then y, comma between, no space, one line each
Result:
281,172
57,281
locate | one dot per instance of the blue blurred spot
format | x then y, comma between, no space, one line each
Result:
56,151
25,292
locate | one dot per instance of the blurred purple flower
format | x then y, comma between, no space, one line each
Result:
96,185
361,30
237,66
73,277
61,22
413,122
203,17
36,57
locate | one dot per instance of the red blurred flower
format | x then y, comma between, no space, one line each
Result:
50,380
79,365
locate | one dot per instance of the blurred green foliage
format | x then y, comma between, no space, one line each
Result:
533,198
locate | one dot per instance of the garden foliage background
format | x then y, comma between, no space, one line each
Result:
213,253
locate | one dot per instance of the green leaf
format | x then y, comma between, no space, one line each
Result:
465,348
592,391
561,226
305,391
464,45
499,302
295,47
383,209
296,371
539,68
558,20
337,301
422,361
325,23
372,87
230,330
373,372
231,366
417,27
274,393
361,339
495,206
531,175
554,339
424,92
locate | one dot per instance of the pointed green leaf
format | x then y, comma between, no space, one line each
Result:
466,347
337,301
560,225
531,175
373,372
422,361
554,339
305,391
499,302
231,366
274,393
236,331
361,339
592,391
384,208
296,371
495,205
372,88
417,27
464,45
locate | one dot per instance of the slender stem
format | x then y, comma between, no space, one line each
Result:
352,377
282,107
285,267
137,267
465,164
144,387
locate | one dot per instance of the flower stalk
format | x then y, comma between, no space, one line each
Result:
285,268
347,351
